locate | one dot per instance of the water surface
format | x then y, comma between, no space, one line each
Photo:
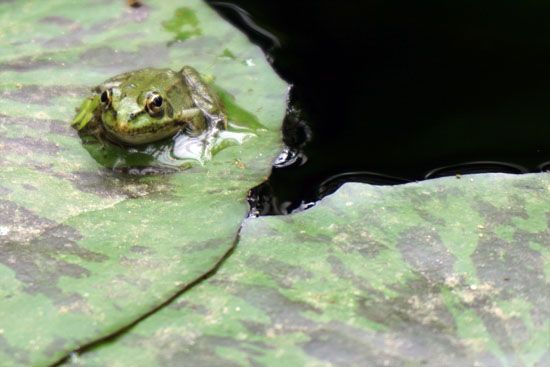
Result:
398,91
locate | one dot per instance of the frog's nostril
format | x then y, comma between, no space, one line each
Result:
134,115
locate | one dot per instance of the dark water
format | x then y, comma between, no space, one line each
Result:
397,91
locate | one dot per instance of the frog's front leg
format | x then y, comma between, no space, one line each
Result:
194,118
203,96
87,114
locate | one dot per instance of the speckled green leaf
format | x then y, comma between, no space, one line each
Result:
85,251
450,272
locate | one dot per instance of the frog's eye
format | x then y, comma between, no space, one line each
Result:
154,103
106,98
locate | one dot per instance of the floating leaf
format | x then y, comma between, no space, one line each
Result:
449,272
86,251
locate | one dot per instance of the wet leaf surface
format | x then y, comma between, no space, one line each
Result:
449,272
84,250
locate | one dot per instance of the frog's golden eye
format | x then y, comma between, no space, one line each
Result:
106,98
154,103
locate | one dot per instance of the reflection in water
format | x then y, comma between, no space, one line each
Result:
290,157
264,201
475,167
247,21
296,135
188,148
421,98
332,183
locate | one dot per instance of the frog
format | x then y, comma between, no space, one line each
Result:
149,105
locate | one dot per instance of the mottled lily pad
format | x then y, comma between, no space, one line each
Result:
450,272
85,251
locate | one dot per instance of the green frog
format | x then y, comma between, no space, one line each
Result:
148,105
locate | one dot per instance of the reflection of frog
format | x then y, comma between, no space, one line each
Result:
148,105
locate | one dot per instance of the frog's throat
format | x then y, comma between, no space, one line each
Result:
146,135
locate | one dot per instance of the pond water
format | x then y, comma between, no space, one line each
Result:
391,92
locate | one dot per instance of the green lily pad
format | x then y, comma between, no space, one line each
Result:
450,272
86,251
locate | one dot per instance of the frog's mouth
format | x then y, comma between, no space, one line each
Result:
145,135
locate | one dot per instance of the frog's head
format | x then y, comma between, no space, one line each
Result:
136,108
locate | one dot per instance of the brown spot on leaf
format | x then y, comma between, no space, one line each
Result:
424,250
135,3
43,94
33,247
36,124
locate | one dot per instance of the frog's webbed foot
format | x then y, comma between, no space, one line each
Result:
204,97
87,114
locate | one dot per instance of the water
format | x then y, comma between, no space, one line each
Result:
392,92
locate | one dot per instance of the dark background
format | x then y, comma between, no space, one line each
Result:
400,88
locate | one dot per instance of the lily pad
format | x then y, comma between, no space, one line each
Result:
449,272
84,250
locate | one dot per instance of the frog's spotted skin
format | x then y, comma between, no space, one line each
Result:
149,105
